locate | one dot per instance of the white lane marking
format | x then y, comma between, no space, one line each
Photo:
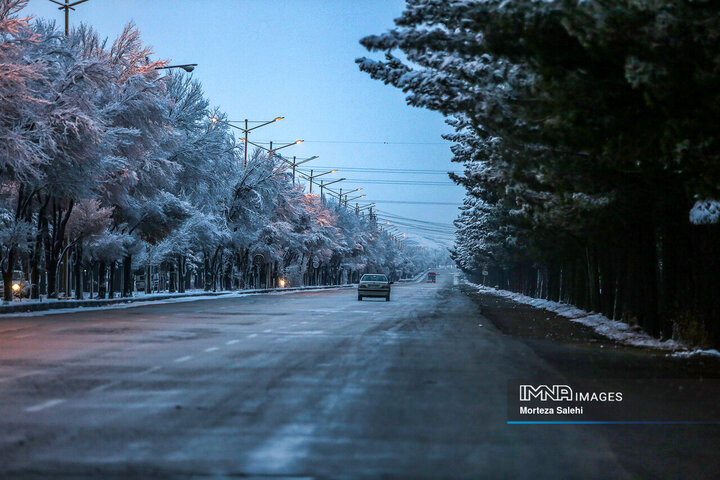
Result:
183,359
211,349
26,335
268,330
100,388
150,370
232,342
252,335
43,406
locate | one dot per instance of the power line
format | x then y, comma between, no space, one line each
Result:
356,142
400,217
426,229
389,170
381,181
410,202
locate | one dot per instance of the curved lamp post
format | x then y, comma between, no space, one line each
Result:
188,67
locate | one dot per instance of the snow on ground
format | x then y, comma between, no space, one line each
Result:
146,299
698,351
137,296
618,331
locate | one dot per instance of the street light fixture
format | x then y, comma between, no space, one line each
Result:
247,130
312,177
295,163
324,185
271,149
67,7
188,67
340,194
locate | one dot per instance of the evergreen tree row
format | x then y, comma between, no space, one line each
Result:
589,135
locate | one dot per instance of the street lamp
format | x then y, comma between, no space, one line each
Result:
188,67
340,195
247,130
359,209
312,177
324,185
271,150
67,7
295,163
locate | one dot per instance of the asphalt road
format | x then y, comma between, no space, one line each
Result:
306,385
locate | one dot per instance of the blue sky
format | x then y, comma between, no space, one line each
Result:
295,58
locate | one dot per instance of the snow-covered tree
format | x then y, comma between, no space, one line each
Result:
583,150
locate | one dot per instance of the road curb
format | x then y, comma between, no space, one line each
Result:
65,304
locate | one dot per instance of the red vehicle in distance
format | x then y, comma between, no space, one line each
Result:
431,277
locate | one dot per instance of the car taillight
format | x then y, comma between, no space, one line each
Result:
386,286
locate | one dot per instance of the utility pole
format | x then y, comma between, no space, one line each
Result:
67,7
247,130
295,163
327,184
313,177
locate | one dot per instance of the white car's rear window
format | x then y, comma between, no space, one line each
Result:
374,278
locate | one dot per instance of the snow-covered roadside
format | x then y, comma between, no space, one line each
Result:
146,300
137,297
618,331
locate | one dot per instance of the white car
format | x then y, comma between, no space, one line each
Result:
374,285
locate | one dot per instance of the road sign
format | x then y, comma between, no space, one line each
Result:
485,273
316,262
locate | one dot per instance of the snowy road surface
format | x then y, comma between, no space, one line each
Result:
307,385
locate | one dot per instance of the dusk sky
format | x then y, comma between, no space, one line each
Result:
296,58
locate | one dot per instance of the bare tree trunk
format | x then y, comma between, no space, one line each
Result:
102,271
127,276
7,276
35,262
77,267
111,280
181,273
